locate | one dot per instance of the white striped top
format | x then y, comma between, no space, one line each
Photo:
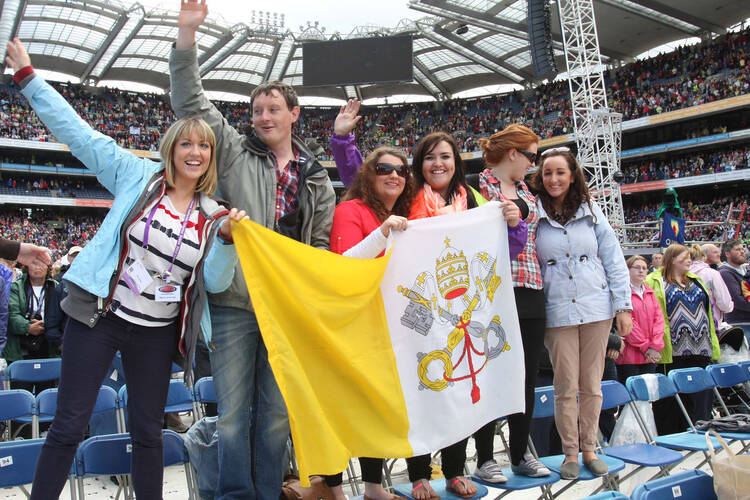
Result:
162,238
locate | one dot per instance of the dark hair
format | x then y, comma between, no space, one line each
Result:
727,247
425,146
514,136
286,90
362,187
576,195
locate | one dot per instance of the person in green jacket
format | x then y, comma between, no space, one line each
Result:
30,296
689,334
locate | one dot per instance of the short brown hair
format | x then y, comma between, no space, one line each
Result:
361,188
286,91
182,128
727,247
498,145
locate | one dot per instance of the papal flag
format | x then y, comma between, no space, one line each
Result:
672,230
390,357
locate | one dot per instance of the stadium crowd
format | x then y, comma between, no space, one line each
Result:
687,164
58,233
688,76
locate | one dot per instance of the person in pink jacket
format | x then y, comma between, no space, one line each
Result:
718,293
642,348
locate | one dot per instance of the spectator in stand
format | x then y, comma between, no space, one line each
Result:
656,259
56,319
585,285
27,315
689,334
713,255
642,348
4,299
734,270
718,294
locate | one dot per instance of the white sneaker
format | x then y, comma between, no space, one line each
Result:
530,467
490,472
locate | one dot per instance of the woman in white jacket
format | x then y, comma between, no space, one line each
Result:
586,284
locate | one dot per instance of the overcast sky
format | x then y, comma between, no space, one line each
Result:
336,15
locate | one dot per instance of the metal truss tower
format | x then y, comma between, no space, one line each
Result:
598,129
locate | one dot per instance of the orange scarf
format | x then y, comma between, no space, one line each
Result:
434,204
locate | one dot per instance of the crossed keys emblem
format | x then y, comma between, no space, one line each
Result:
452,281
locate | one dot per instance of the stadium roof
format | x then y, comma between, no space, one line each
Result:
106,40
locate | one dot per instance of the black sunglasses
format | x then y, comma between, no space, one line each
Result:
528,154
387,168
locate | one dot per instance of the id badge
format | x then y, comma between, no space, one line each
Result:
137,277
168,292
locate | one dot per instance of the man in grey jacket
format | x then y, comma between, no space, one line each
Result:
272,175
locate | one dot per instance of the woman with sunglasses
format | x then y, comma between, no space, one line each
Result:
376,203
509,154
585,286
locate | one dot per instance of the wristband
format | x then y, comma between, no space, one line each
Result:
22,73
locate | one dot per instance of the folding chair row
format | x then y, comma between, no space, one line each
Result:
21,406
107,455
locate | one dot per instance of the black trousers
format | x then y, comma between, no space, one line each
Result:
624,371
452,458
667,414
532,336
147,362
372,472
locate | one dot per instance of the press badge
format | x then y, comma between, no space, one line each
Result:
137,277
168,293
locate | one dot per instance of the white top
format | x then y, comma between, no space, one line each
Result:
143,309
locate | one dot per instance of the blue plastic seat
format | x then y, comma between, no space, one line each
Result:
543,407
606,495
179,400
203,392
688,441
745,365
176,454
687,485
640,454
18,461
35,370
727,375
18,405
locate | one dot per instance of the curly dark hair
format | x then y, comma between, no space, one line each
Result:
362,187
576,195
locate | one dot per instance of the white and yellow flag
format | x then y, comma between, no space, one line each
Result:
389,357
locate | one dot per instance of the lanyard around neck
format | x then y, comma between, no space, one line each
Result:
165,274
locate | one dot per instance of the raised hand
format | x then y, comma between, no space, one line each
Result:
16,56
192,15
347,118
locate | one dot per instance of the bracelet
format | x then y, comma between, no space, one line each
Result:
623,311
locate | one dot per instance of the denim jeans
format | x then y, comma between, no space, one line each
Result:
253,424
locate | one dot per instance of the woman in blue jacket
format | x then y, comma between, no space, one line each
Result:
138,286
586,284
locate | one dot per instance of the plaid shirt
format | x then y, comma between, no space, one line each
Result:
525,267
287,181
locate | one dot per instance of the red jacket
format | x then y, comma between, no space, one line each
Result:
352,222
648,329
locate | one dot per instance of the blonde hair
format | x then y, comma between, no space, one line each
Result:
696,252
635,258
185,127
498,145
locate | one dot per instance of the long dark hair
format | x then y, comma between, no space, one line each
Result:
425,146
577,194
362,187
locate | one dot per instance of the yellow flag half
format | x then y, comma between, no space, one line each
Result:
330,350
